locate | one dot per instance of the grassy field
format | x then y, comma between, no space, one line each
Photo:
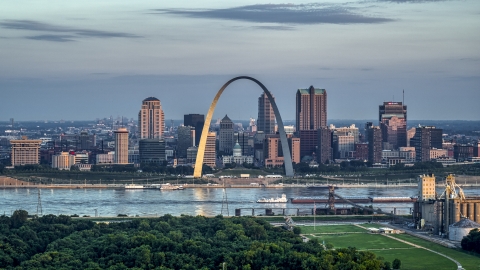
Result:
416,258
468,261
362,241
331,229
390,249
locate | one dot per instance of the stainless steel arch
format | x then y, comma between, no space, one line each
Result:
203,139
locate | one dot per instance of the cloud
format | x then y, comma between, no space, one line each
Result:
274,27
56,38
281,13
60,33
411,1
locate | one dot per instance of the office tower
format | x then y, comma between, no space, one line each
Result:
266,117
244,141
192,154
272,151
185,139
324,145
87,142
462,152
311,108
210,155
294,144
25,151
152,151
392,117
151,120
344,139
361,151
63,161
374,138
426,138
308,142
197,121
121,146
226,136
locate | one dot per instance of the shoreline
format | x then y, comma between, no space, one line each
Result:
122,186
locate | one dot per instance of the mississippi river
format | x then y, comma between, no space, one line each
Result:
191,201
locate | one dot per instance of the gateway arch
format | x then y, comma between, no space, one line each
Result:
203,139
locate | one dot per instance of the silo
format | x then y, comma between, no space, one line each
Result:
464,209
460,229
470,211
455,211
477,212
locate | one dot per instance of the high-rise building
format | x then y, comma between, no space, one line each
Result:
374,138
266,117
294,144
197,121
226,138
344,140
392,117
426,138
152,151
311,108
151,120
121,146
324,145
184,140
308,142
63,161
210,155
25,151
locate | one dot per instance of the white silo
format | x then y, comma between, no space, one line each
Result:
458,230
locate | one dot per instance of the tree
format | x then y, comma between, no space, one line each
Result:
396,264
19,217
471,242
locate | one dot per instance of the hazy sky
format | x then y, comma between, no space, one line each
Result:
81,60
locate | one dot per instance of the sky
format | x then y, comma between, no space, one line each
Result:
82,60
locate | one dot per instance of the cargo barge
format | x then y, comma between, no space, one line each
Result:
310,200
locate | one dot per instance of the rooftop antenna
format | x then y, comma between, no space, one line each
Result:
403,98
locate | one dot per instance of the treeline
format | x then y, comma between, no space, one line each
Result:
345,166
168,242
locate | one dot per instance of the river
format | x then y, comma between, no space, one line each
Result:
191,201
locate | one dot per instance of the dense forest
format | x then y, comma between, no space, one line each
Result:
186,242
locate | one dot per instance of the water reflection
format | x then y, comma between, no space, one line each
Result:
198,201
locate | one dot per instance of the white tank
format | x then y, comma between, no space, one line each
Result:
460,229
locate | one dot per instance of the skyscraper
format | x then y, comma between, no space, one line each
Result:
151,120
196,121
374,138
311,108
426,138
210,155
392,117
266,117
121,146
324,149
226,141
184,140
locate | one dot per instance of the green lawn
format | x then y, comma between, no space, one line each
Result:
416,258
331,229
468,261
361,241
412,258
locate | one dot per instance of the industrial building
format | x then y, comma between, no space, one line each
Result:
437,212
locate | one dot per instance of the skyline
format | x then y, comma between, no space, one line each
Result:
80,61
